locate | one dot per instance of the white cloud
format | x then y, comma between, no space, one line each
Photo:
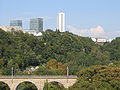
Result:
94,32
112,34
89,32
97,31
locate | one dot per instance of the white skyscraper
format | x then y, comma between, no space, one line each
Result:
61,22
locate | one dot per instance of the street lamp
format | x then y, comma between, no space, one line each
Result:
12,74
67,73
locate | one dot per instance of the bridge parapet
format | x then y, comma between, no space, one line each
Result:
39,77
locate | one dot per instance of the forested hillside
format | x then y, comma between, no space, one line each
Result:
21,50
102,77
114,49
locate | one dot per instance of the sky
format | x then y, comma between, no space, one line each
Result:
91,18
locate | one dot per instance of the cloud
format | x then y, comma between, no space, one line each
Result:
94,32
112,35
89,32
97,31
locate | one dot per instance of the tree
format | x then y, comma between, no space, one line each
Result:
98,77
4,86
26,86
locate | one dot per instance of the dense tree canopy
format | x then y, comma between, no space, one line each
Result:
53,51
98,78
114,49
21,50
51,68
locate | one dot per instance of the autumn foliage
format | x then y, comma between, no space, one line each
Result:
53,64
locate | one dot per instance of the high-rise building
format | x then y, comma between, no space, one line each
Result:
61,22
36,24
16,23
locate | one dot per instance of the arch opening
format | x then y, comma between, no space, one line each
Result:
26,85
53,85
4,86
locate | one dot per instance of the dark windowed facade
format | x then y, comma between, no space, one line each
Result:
16,23
36,24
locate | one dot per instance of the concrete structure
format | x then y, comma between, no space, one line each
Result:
38,81
10,28
16,23
36,24
61,22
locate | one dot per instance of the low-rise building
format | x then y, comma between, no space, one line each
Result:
10,28
99,40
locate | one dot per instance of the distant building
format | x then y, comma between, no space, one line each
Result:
36,24
61,22
16,23
10,28
99,40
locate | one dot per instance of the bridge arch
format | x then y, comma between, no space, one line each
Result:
52,84
4,86
58,84
64,82
31,85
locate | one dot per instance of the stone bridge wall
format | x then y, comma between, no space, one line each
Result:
38,81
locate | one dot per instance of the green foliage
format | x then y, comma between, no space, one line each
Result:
98,78
26,86
55,86
21,50
4,86
114,49
54,51
76,51
51,68
17,50
49,86
44,71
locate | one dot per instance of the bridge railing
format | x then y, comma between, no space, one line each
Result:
39,77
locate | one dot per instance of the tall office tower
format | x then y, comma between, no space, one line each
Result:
36,24
61,22
16,23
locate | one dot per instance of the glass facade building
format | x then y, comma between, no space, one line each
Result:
16,23
36,24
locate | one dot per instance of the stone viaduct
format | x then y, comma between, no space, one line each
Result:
38,81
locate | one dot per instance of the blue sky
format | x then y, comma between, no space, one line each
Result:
83,17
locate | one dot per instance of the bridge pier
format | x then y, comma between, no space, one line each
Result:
40,84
